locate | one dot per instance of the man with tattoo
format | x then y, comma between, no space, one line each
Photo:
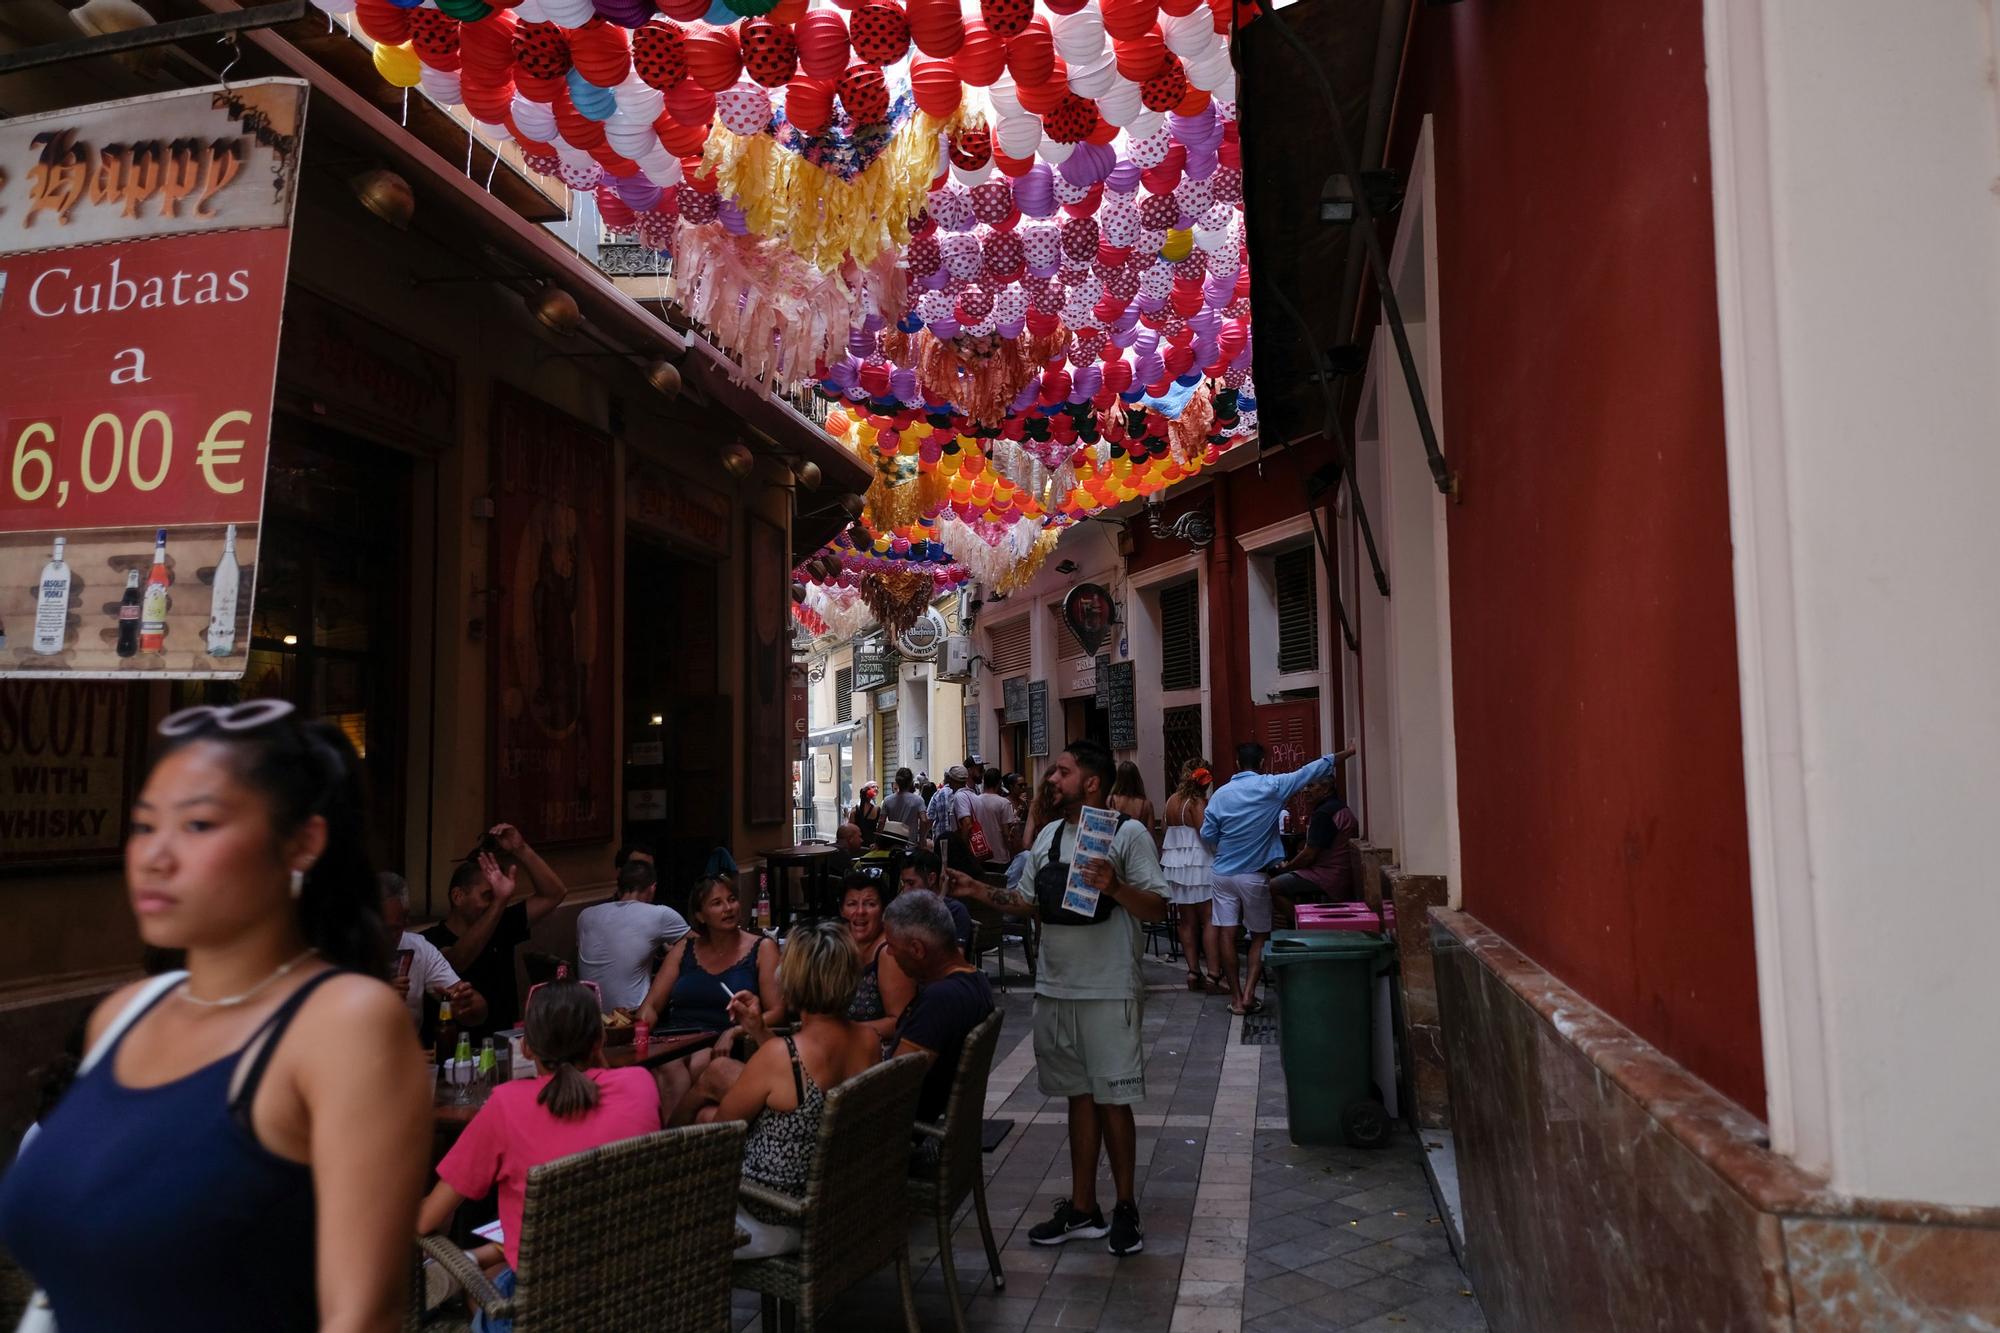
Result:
1089,991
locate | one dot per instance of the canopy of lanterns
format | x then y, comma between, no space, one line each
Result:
1006,235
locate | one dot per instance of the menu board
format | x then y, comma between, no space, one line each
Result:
1014,700
1038,718
1119,703
1102,681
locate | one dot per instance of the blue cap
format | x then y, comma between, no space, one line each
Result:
160,537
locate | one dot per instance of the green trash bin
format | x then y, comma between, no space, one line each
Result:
1326,1002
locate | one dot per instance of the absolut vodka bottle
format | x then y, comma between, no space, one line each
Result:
222,601
52,603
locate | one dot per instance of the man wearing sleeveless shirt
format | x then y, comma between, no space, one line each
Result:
1089,992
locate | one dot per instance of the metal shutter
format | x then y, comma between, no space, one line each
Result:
1180,636
1298,610
1180,728
843,694
887,762
1007,647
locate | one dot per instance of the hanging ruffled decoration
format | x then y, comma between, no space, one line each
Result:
808,619
1024,571
898,600
782,315
840,609
822,216
981,377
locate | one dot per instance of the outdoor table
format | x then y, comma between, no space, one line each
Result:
812,864
451,1116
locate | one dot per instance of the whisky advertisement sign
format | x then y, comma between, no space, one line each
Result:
143,252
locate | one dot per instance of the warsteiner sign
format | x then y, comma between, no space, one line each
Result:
143,251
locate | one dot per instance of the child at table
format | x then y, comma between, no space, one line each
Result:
570,1107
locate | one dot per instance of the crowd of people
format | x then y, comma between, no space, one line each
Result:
249,1132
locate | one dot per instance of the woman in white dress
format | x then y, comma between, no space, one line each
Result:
1185,859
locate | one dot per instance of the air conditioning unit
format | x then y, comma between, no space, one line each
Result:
955,663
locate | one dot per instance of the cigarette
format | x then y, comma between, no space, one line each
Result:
726,991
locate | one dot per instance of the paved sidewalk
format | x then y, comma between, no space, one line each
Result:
1245,1233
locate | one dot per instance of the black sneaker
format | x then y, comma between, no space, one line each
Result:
1067,1224
1126,1238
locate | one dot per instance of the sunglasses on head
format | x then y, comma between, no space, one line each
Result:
562,974
238,717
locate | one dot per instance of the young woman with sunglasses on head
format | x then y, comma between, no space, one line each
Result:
246,1147
571,1107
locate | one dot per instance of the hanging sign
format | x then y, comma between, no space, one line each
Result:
1090,613
1014,700
1038,718
921,641
875,665
1121,705
143,251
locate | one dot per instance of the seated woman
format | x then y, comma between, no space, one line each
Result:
705,969
573,1105
1327,868
883,990
781,1090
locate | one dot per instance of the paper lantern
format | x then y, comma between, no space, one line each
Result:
864,94
1043,98
689,104
1014,167
1031,54
879,33
937,88
600,53
770,52
809,103
1140,58
1126,19
382,21
714,59
743,109
981,55
936,27
1079,36
659,55
1007,18
822,43
1168,87
434,37
398,65
1188,35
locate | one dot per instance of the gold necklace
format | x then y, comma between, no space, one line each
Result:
230,1001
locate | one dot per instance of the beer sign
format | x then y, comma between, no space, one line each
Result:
143,252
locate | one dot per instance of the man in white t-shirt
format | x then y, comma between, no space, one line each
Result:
615,941
429,972
996,817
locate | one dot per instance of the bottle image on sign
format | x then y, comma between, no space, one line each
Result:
222,602
128,616
153,608
52,603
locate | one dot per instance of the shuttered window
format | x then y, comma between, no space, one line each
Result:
887,762
1007,648
1298,610
1180,636
843,694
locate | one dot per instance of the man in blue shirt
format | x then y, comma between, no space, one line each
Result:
1241,828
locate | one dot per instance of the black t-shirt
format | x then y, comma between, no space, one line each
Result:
962,916
1323,830
938,1020
492,973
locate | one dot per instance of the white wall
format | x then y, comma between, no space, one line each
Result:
1857,149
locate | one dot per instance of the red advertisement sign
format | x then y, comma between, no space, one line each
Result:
555,745
143,253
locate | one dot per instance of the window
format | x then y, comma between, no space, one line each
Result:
1007,648
1181,729
843,694
1180,636
1298,609
888,760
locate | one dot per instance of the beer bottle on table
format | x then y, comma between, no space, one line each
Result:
447,1032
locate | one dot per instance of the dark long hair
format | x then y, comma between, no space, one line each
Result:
304,769
562,1030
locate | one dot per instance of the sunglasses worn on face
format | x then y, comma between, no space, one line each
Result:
239,717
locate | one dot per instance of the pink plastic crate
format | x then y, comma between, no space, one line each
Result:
1338,916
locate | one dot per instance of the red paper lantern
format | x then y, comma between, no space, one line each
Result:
1126,19
545,91
488,45
809,103
936,27
1044,97
383,21
715,58
1163,178
659,54
434,35
689,103
1012,167
880,33
541,50
1191,103
1042,323
1006,17
822,39
1117,370
1186,297
1031,55
1103,134
684,11
1140,58
981,56
770,52
1222,14
865,94
616,213
936,86
601,53
788,12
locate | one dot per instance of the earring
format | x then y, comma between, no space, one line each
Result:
298,881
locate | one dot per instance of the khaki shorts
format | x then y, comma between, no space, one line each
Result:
1243,900
1090,1048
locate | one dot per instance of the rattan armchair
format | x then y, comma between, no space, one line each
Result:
636,1235
854,1215
939,1189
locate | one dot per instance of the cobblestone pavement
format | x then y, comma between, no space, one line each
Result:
1245,1233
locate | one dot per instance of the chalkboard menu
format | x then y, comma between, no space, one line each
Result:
972,728
1038,718
875,664
1014,700
1124,715
1102,680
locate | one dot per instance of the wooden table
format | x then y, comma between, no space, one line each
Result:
812,863
662,1050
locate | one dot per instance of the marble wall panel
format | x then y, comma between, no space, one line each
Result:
1423,1040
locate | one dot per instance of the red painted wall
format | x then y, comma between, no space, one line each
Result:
1600,777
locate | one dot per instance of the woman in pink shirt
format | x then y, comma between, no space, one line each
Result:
569,1108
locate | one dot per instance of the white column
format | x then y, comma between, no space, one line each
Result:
1856,148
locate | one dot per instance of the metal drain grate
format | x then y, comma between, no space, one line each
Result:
1262,1029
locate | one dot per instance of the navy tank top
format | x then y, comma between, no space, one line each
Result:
157,1208
696,1002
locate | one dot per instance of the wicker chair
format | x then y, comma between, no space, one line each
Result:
634,1235
958,1171
854,1213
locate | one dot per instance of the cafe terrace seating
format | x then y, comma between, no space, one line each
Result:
632,1237
938,1191
854,1214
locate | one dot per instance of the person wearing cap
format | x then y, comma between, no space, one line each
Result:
943,821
